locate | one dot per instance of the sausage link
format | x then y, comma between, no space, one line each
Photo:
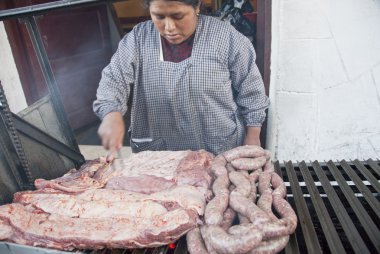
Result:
195,243
286,212
206,237
230,168
221,184
274,229
253,178
243,219
242,183
247,151
247,208
265,204
249,163
244,172
228,218
264,182
224,243
267,154
215,209
271,246
268,167
218,167
278,185
244,228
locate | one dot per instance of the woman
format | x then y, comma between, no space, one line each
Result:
196,84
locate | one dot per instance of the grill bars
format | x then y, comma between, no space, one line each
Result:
339,215
337,204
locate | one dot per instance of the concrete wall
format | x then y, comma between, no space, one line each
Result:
9,76
325,80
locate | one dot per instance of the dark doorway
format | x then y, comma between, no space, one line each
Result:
78,45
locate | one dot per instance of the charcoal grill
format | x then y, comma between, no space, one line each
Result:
337,204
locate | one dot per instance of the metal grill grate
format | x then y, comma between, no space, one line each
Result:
337,204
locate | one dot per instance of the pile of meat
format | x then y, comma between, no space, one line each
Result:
248,213
152,199
147,200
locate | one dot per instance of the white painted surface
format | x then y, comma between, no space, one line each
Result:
9,76
325,81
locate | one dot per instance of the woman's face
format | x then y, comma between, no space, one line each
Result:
175,21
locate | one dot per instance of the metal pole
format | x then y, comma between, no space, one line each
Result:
55,96
39,9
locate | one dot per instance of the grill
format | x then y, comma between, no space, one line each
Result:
337,204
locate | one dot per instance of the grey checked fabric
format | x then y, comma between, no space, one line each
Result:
203,102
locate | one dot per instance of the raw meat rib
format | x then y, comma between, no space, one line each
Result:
48,230
182,167
150,199
105,202
146,184
194,169
6,231
92,175
185,196
160,163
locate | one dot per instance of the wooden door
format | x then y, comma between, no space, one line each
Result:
78,45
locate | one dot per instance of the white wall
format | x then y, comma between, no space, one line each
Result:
9,76
325,80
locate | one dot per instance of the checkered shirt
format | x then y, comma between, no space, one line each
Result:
202,102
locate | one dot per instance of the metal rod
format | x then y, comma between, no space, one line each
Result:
362,214
47,72
347,224
369,197
308,230
292,247
39,9
332,236
375,166
367,174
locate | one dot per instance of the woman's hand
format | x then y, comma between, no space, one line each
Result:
111,131
252,136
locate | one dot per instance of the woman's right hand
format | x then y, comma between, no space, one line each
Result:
111,132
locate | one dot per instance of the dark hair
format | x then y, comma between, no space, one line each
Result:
193,3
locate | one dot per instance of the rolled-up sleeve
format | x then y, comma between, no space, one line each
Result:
247,82
117,78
